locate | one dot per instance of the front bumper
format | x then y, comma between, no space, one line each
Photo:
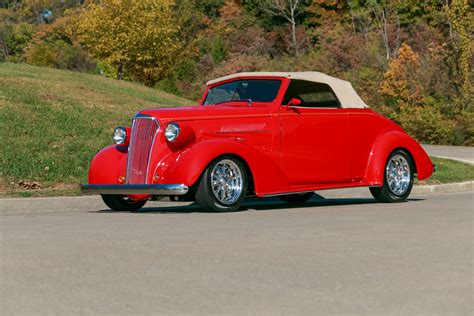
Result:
152,189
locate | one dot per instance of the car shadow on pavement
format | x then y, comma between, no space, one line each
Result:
259,204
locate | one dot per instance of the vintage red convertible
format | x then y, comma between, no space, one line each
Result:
263,134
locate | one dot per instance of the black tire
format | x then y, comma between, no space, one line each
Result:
296,198
385,194
205,195
121,204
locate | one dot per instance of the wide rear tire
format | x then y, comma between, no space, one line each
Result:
223,185
398,179
121,203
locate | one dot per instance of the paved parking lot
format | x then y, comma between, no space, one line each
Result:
68,256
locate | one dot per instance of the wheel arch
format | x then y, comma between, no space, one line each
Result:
248,171
264,174
384,145
108,165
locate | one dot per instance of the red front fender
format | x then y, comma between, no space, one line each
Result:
108,165
187,166
388,142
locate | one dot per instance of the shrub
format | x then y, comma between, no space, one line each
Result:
59,54
14,39
53,46
426,124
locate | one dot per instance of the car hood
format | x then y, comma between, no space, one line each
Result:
189,113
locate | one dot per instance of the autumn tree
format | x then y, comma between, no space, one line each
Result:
289,10
461,22
137,37
407,104
399,84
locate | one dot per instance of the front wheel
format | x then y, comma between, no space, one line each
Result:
398,179
122,203
223,185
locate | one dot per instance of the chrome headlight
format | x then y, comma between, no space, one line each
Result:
120,135
172,132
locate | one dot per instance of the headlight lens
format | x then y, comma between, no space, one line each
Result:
120,135
172,131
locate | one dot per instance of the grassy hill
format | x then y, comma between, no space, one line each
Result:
52,122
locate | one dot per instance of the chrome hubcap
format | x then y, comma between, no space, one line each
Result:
226,181
398,174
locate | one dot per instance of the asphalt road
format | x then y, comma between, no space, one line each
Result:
68,256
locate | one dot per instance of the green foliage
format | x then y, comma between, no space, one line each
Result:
53,46
410,60
57,54
219,50
137,37
210,8
14,39
462,22
426,123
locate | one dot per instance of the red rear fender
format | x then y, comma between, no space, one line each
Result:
388,142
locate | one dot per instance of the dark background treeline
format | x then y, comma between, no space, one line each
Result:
410,60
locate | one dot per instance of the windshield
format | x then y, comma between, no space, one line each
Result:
256,90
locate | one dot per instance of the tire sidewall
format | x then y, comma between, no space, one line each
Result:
119,204
394,197
215,204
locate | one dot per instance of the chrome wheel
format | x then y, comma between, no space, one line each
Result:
226,182
398,175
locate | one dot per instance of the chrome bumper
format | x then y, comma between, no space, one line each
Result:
152,189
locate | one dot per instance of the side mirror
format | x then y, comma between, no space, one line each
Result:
293,102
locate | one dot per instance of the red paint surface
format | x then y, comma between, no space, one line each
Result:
286,149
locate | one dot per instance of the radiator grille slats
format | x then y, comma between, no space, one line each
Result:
144,130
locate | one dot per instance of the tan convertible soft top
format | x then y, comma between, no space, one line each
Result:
342,88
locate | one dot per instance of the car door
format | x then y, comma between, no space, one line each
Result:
314,135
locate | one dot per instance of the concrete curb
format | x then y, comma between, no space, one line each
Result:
443,188
418,190
354,192
469,162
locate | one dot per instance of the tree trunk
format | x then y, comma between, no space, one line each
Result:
385,34
120,71
293,37
352,17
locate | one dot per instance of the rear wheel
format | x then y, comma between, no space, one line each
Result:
122,203
223,185
398,179
296,198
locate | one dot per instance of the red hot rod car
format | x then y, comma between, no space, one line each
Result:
263,134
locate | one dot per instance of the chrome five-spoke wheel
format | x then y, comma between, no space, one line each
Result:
398,178
223,185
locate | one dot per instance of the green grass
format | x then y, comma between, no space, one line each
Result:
448,171
52,121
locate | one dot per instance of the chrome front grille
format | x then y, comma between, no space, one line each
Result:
144,130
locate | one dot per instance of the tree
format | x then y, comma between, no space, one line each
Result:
461,22
137,37
14,37
288,10
399,84
408,106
